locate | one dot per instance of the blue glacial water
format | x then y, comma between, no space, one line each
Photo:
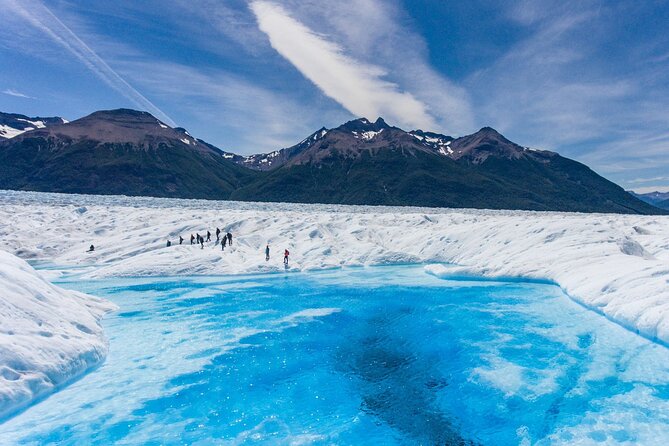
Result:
385,355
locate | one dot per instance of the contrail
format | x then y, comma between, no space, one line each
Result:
64,36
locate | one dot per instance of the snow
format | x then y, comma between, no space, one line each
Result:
370,135
162,125
9,132
48,336
185,140
37,124
367,136
616,265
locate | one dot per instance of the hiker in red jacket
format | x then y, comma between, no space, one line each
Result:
285,257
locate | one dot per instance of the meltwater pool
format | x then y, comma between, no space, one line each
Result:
382,355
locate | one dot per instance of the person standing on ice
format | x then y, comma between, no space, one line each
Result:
223,241
181,240
218,235
208,236
202,242
91,249
192,239
229,236
267,252
169,243
285,257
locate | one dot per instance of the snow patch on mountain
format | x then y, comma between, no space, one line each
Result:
10,132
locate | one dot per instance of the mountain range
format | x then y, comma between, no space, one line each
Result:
658,199
360,162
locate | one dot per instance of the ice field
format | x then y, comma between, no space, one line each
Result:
322,351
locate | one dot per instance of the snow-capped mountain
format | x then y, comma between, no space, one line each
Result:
130,152
272,160
12,124
361,135
371,162
120,151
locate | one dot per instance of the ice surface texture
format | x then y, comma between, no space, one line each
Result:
617,265
48,335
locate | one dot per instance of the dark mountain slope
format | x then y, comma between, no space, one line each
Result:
363,162
118,152
663,204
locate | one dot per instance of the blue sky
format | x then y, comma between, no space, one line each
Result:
588,79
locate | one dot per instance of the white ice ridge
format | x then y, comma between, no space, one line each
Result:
48,336
617,265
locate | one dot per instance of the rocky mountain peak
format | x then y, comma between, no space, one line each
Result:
364,125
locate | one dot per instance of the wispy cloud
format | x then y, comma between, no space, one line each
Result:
562,87
649,189
381,31
17,94
41,17
237,115
648,180
357,86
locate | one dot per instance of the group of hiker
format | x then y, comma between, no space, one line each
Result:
197,239
223,239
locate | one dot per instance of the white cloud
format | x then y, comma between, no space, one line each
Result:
17,94
359,87
40,17
381,31
235,114
649,189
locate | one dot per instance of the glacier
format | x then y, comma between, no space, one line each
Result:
48,336
616,265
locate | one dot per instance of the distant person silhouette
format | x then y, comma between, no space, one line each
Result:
202,242
229,236
181,240
208,236
218,234
223,242
267,252
285,257
169,243
192,239
91,249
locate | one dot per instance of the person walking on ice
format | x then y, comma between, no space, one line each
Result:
267,253
285,257
181,240
218,235
208,236
229,236
223,244
192,239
